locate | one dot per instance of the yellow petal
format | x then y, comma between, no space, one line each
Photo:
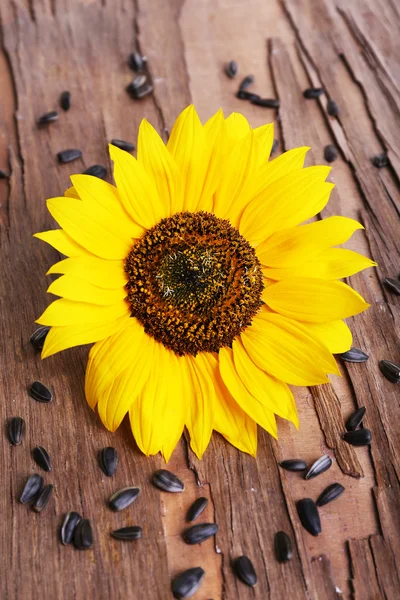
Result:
108,274
214,131
200,417
335,335
237,127
79,290
292,160
71,193
66,312
314,300
62,242
179,393
264,137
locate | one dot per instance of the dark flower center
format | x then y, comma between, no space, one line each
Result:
193,282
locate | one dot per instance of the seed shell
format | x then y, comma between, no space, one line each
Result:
65,100
143,91
49,117
354,355
392,284
390,370
108,460
320,466
243,95
231,69
127,534
136,61
196,509
266,102
83,536
244,569
38,337
3,174
97,171
123,145
43,498
42,458
283,547
167,481
312,93
40,392
309,516
380,160
246,82
16,430
330,493
355,419
330,153
123,498
294,464
68,527
136,83
199,533
187,583
332,108
67,156
359,437
32,487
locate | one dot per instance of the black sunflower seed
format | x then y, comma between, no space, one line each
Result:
196,509
67,156
246,82
390,370
43,498
354,355
380,160
136,83
42,458
187,583
122,145
332,108
32,488
266,102
16,430
40,392
3,174
38,337
123,498
97,171
311,93
136,61
294,464
108,461
231,69
275,145
392,284
68,527
283,547
330,153
200,533
49,117
359,437
320,466
143,91
309,516
127,533
243,95
65,100
83,536
244,569
167,481
330,493
355,419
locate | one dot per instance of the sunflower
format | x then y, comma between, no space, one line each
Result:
202,290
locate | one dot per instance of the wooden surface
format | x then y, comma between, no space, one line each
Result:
352,49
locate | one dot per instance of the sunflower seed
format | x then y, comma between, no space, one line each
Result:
390,370
43,498
38,337
122,145
283,547
199,533
312,93
32,488
196,509
320,466
123,498
359,437
40,392
97,171
167,481
392,284
266,102
42,458
68,527
355,419
83,536
246,82
231,69
380,160
127,533
330,153
67,156
65,100
244,569
49,117
108,461
143,91
16,430
354,355
136,83
243,95
3,174
309,516
275,145
330,493
187,583
136,61
294,464
332,108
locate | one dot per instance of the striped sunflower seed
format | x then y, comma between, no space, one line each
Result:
244,95
283,547
16,430
231,69
122,145
309,516
123,498
312,93
244,569
68,527
293,464
246,82
96,171
186,584
43,498
355,419
136,61
38,391
329,494
38,337
332,108
392,284
83,536
65,100
196,509
266,102
42,458
127,534
330,153
359,437
320,466
3,174
380,160
167,481
32,487
143,91
199,533
390,370
67,156
108,460
354,355
136,84
49,117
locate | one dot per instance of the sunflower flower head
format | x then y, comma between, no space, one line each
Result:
202,290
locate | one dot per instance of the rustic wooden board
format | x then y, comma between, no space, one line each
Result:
82,45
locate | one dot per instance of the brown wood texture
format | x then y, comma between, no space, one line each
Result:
352,50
